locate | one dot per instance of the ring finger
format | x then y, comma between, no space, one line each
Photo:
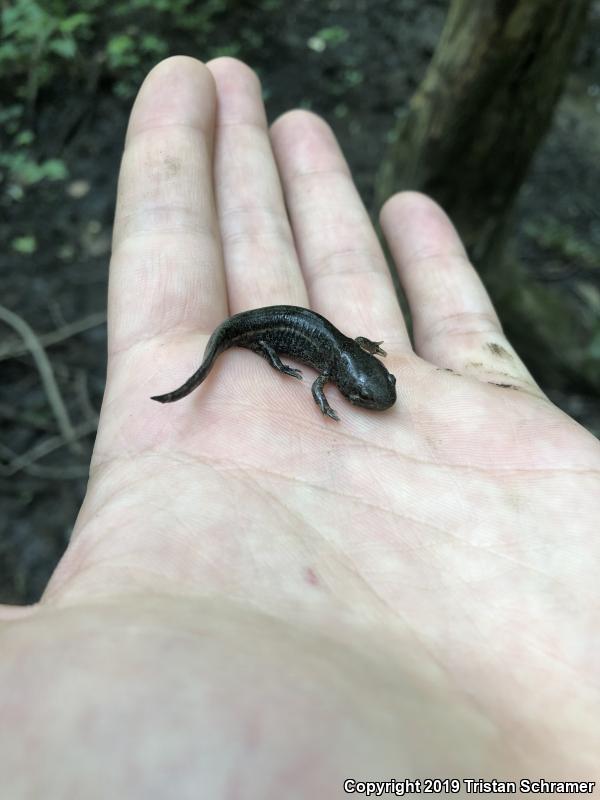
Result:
344,267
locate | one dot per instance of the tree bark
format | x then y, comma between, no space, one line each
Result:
486,100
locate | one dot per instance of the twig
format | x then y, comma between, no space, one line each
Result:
44,367
85,401
56,313
59,335
65,473
27,418
26,461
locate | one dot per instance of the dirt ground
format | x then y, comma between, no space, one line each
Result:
356,81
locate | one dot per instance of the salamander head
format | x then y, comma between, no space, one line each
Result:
365,381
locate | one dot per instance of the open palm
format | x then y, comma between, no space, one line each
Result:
403,592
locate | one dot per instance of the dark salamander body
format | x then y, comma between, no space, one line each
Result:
311,339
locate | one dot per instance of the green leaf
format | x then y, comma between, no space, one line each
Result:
9,52
333,35
593,347
27,171
353,77
10,113
64,47
120,52
24,138
125,89
119,45
73,22
55,169
24,244
152,44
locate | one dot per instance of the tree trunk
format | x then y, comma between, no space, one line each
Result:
486,100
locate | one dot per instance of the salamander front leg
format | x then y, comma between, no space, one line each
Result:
264,349
369,346
320,399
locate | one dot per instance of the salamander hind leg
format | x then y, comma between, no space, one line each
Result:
263,349
320,399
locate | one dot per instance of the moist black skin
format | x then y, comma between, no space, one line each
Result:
307,337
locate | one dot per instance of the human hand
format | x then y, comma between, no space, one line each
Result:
257,601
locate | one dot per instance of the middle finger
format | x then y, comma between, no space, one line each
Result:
260,257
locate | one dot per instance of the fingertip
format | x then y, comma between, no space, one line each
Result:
166,267
176,62
229,69
239,92
417,227
451,310
302,117
408,199
303,142
178,90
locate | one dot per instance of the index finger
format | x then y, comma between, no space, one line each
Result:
166,274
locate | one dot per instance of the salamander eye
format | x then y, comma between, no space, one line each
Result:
392,378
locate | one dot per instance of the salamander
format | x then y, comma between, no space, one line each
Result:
311,339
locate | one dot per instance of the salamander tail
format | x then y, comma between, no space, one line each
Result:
195,380
213,348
